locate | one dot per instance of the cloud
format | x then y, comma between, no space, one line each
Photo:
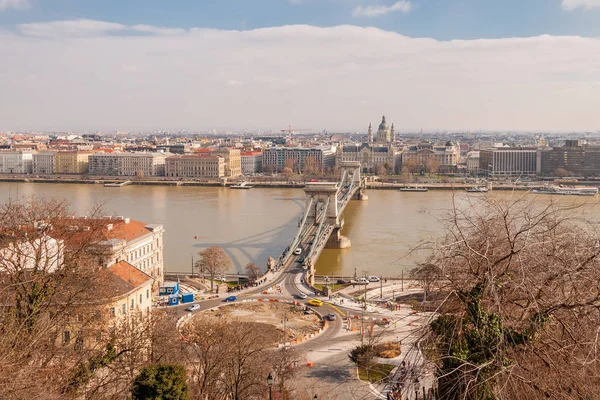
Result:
73,75
585,4
15,4
403,6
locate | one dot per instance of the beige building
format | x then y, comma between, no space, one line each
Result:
71,162
127,164
16,162
132,291
425,156
195,166
371,157
233,160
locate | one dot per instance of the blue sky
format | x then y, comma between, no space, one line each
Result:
319,64
440,19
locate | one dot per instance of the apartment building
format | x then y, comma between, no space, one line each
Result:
43,162
16,162
127,164
132,291
508,161
251,162
574,157
195,166
425,155
232,159
301,159
71,162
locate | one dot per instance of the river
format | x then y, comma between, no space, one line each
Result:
251,225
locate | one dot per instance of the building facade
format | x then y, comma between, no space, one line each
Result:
473,162
16,162
371,157
71,162
251,162
508,161
300,159
127,164
43,162
103,164
232,159
573,158
427,157
195,166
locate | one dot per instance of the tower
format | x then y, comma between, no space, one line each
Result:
383,132
370,134
392,135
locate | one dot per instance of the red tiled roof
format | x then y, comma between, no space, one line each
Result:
133,230
129,274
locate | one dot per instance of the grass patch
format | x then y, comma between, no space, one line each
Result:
387,350
333,287
378,372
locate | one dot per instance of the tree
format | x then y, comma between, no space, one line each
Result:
410,163
287,172
521,304
161,382
253,272
380,170
561,173
311,166
432,165
214,261
363,356
290,164
427,274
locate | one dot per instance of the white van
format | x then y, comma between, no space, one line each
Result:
373,279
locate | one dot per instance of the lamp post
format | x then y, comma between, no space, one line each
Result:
270,381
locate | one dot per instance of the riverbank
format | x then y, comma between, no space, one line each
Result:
257,184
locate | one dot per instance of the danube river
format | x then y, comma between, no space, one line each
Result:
251,225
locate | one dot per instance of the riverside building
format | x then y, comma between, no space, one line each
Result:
508,161
195,166
16,162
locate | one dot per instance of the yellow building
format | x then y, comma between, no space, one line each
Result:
71,162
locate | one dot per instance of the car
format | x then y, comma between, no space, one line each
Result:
308,311
298,251
301,296
315,302
193,307
373,279
301,260
342,281
331,316
230,299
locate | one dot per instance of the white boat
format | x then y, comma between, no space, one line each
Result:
413,189
478,189
243,185
567,190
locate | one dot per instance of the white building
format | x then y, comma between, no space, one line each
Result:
127,164
44,255
43,162
473,162
251,162
16,162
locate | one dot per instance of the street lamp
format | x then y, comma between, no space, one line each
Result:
270,381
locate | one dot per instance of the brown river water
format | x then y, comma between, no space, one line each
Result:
251,225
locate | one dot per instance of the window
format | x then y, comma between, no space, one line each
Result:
66,337
124,308
132,303
147,293
140,298
112,312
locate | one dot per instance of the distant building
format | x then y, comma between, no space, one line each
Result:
371,157
426,156
473,162
232,158
508,161
251,162
195,166
574,158
43,162
16,162
127,164
299,159
71,162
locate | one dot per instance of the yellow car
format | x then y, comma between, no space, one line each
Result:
315,302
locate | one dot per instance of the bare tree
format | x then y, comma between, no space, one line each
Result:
432,165
521,282
561,173
253,272
214,261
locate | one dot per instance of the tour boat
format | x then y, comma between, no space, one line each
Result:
413,189
477,189
243,185
567,190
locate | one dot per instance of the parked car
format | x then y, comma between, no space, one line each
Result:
193,307
315,302
342,281
308,310
301,259
301,296
373,279
331,316
230,299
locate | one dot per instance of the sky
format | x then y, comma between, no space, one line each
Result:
140,65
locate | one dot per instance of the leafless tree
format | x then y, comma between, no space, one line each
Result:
253,271
214,261
432,165
521,283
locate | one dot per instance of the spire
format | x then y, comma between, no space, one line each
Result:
370,134
392,138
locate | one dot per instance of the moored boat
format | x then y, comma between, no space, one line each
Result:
413,189
243,185
478,189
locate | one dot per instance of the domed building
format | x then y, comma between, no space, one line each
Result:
375,156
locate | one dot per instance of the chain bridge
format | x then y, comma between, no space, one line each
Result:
321,222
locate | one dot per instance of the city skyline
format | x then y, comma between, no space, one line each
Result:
318,64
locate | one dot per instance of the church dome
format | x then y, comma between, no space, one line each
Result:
383,125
